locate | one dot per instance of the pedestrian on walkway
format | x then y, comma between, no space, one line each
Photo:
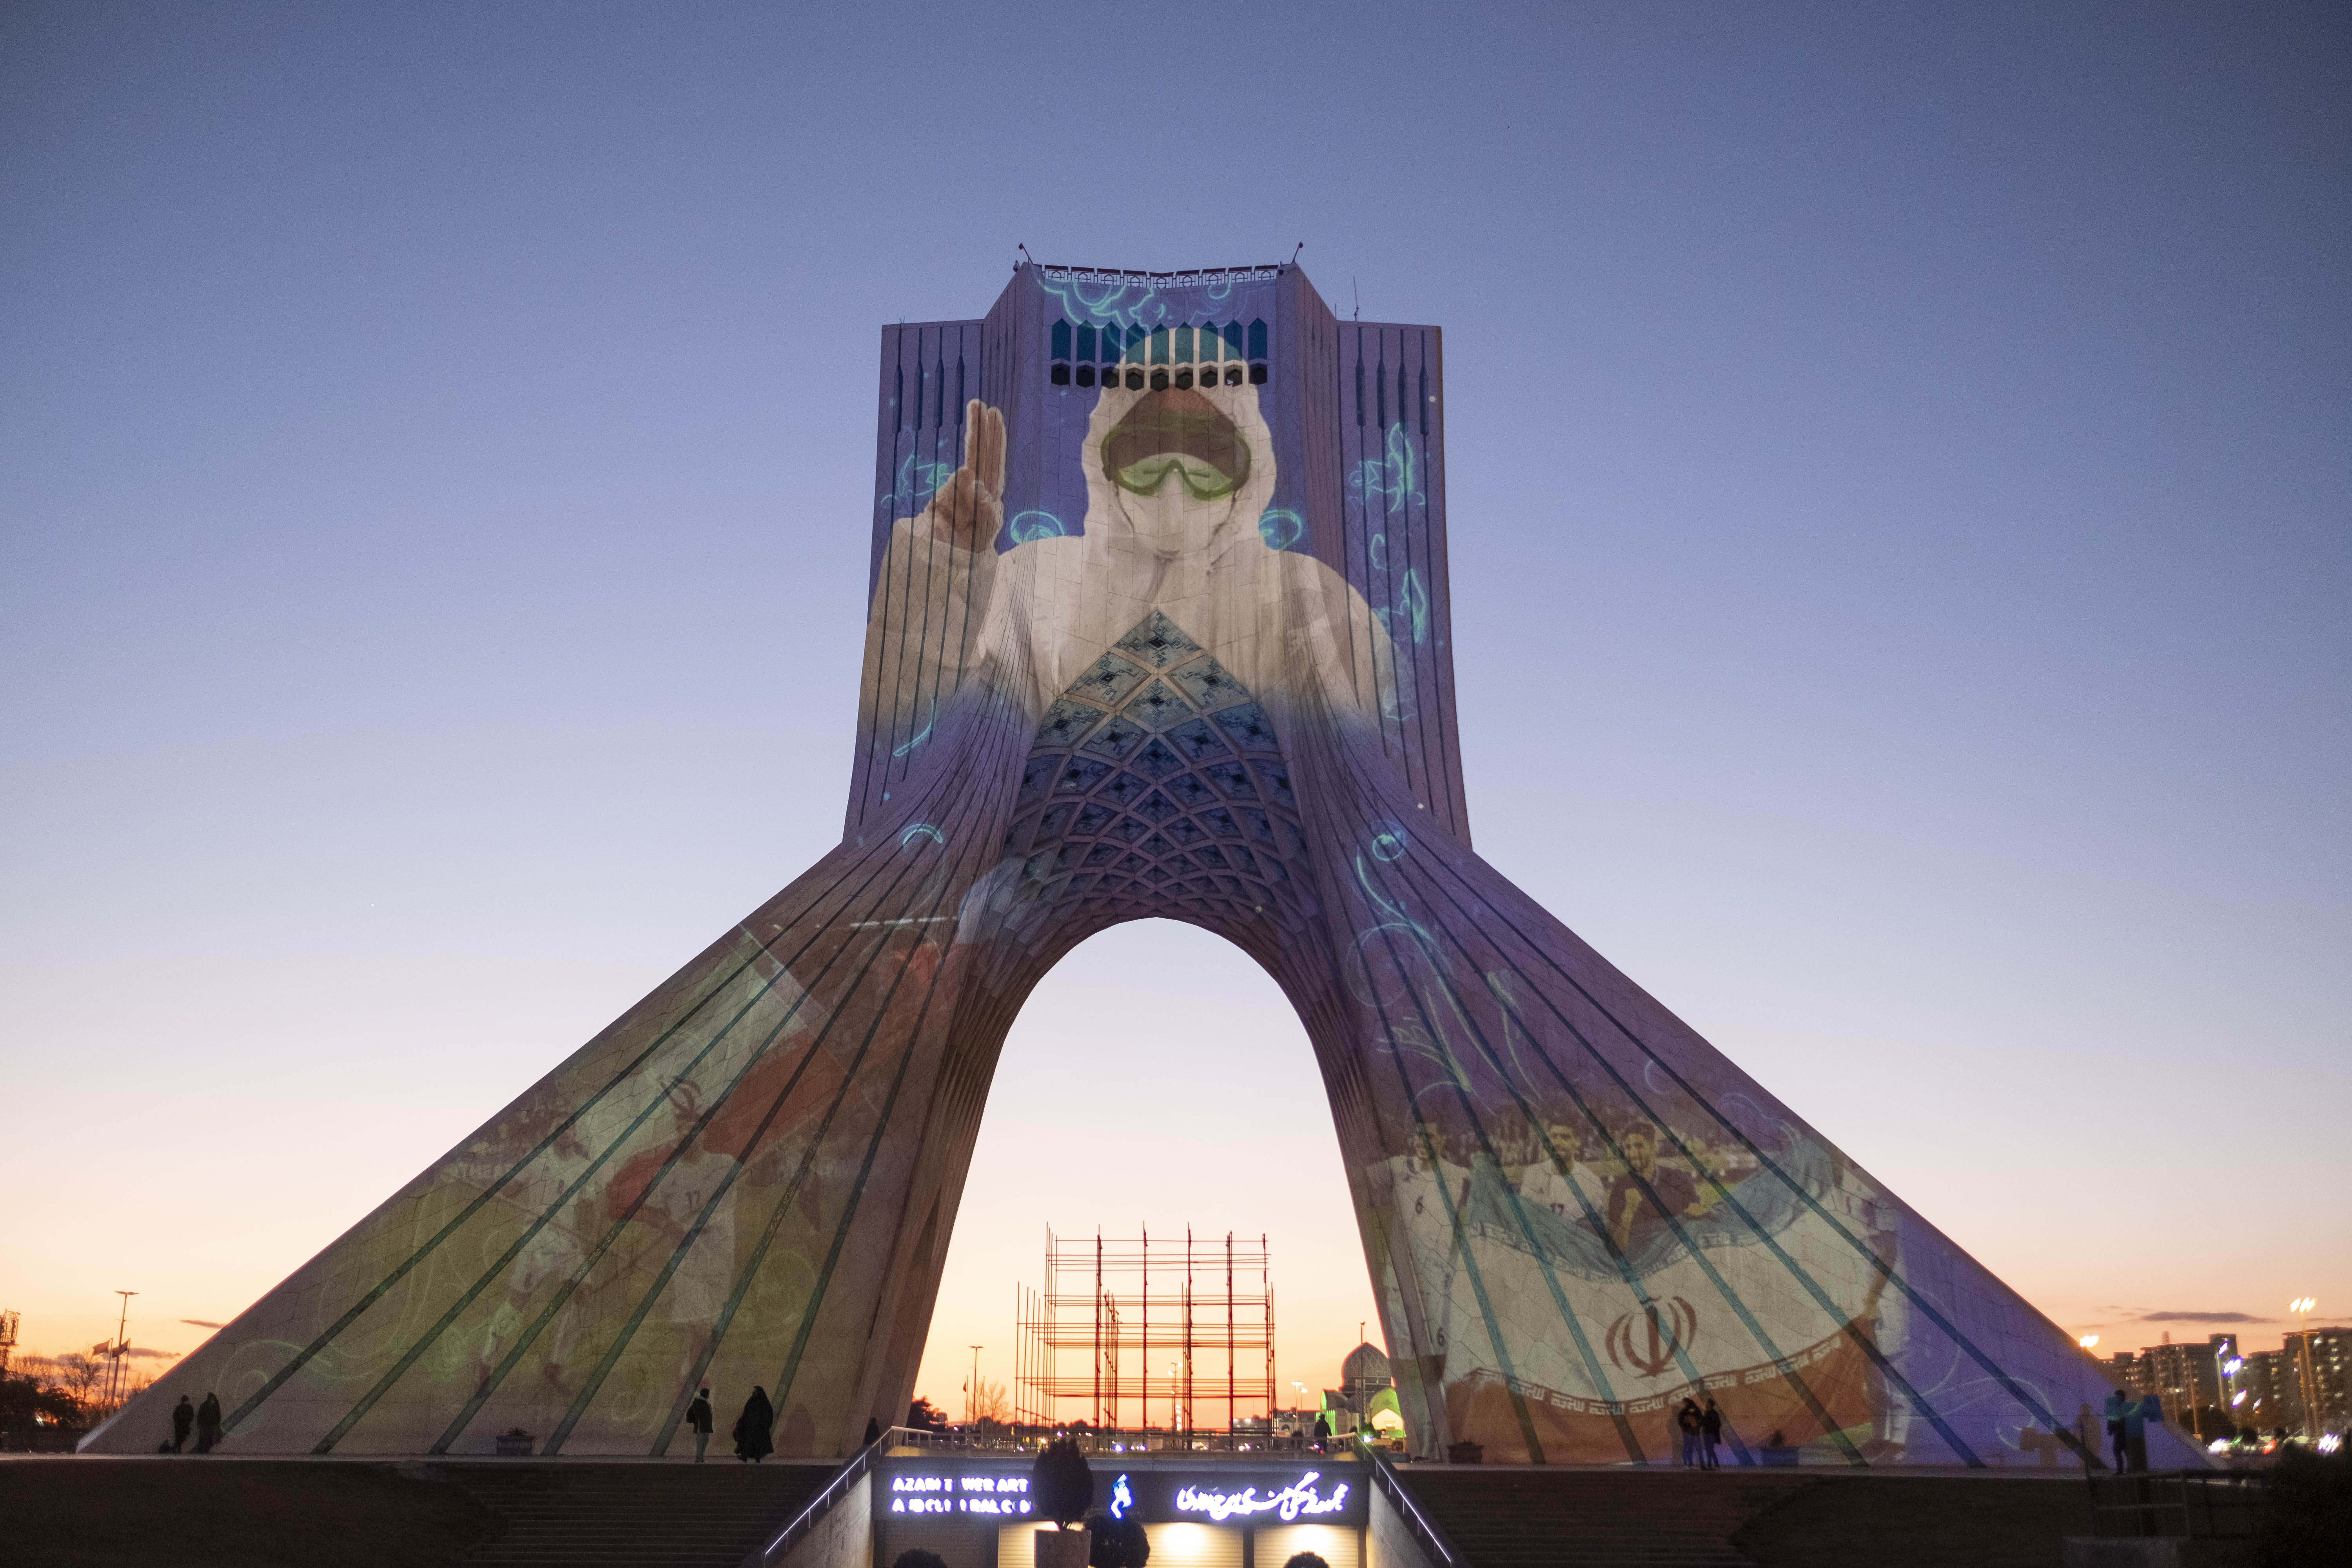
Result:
1687,1418
753,1428
208,1424
2117,1402
697,1419
184,1416
1710,1427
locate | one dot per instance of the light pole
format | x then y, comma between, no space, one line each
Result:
971,1389
2301,1306
2224,1356
122,1343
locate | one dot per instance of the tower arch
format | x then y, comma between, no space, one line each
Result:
1143,648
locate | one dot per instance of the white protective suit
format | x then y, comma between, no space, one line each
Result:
1286,625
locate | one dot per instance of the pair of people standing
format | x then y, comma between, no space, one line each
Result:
205,1418
754,1429
1702,1430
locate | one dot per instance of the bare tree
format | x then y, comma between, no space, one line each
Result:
989,1403
75,1375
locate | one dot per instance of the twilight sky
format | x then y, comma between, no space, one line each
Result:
1898,486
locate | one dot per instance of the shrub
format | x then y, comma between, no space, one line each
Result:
1117,1542
916,1557
1062,1485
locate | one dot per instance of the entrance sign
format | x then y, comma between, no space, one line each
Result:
1160,626
949,1492
1299,1500
1229,1490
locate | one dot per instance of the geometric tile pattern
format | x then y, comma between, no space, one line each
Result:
1155,785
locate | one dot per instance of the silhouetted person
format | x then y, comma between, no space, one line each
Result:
753,1427
2116,1405
1322,1433
873,1431
1710,1428
2136,1422
699,1421
1687,1418
184,1416
208,1424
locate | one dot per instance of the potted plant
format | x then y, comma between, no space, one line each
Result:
515,1444
1466,1453
1061,1488
1116,1543
1777,1451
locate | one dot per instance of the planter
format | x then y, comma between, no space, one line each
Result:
1776,1456
1465,1454
515,1445
1061,1548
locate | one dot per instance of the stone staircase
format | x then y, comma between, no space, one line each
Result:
1547,1518
581,1513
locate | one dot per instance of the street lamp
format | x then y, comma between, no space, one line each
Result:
122,1343
2225,1360
2301,1306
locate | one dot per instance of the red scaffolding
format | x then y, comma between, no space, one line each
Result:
1098,1301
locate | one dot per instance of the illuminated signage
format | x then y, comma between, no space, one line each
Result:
992,1493
949,1494
1297,1499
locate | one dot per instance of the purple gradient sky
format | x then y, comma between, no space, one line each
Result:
1898,486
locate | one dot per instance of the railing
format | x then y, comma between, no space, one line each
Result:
2201,1504
855,1470
1424,1529
1192,277
1102,1440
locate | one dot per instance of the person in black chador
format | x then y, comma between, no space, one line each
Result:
184,1416
208,1424
1710,1427
753,1428
697,1421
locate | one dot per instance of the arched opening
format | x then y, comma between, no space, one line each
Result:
1156,1077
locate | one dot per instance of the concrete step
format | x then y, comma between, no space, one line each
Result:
1542,1518
581,1514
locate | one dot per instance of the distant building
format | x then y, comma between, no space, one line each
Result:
1366,1396
1299,1424
2186,1377
2266,1393
2268,1401
2324,1374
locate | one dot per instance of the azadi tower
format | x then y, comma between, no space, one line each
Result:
1158,627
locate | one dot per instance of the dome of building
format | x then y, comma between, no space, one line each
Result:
1367,1366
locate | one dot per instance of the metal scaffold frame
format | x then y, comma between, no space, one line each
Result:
1098,1301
